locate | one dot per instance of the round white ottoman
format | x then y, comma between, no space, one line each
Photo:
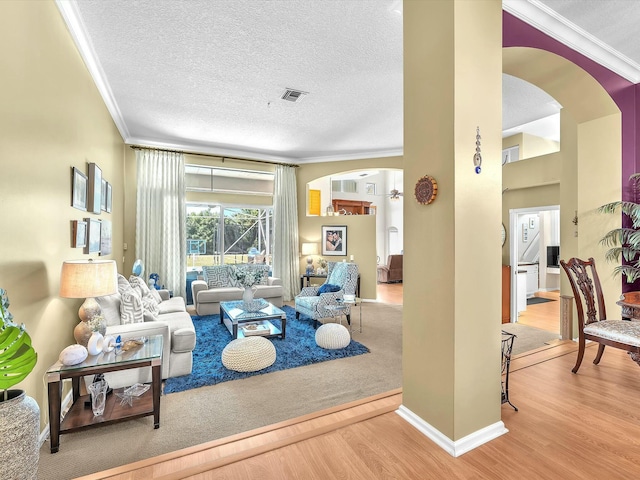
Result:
332,336
249,354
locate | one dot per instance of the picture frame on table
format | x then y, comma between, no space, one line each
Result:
94,192
79,185
334,240
79,233
93,236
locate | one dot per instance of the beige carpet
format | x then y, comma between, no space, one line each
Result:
208,413
528,338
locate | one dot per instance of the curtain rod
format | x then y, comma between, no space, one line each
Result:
140,147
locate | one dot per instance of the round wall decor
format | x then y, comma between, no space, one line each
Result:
426,190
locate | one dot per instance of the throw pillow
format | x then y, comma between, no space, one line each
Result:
150,308
131,310
140,286
123,285
338,274
156,295
328,288
216,276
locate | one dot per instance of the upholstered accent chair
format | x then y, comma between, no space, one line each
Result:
593,323
313,304
392,271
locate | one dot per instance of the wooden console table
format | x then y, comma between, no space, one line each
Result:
81,416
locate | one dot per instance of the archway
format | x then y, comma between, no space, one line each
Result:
588,167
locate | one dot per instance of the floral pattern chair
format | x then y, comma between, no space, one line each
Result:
312,304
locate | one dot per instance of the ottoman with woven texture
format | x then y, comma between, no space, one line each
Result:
249,354
332,336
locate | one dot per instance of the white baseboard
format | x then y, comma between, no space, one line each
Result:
458,447
66,404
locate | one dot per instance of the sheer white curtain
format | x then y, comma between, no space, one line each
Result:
285,231
160,217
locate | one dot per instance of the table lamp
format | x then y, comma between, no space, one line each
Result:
309,249
88,279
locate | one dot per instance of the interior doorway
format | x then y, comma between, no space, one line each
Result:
534,251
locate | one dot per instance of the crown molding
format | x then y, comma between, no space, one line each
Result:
69,11
538,15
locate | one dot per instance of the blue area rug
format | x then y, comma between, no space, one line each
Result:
298,349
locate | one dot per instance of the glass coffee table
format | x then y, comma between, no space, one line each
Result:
242,323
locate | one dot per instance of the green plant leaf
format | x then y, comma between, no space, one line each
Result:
17,356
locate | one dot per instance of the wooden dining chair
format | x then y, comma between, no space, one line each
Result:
592,316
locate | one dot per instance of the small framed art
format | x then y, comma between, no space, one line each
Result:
370,188
334,240
79,233
78,189
94,192
109,196
103,196
105,237
93,236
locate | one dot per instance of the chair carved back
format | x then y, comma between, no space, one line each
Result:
587,291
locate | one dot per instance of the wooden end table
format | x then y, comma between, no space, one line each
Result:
81,416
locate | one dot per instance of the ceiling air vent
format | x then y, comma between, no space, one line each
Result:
292,95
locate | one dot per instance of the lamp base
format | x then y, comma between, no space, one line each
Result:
89,309
82,333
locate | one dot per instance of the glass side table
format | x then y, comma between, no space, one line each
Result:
340,309
79,416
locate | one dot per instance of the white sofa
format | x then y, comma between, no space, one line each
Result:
218,285
171,321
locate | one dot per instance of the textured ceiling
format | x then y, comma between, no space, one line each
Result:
207,76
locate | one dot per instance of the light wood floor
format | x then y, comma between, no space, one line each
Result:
543,315
389,293
569,426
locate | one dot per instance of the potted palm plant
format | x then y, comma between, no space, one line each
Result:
19,414
625,241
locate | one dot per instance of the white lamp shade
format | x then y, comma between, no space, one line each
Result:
309,249
88,278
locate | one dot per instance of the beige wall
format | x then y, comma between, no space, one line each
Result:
361,229
452,248
52,118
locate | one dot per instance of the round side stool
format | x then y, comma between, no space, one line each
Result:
249,354
332,336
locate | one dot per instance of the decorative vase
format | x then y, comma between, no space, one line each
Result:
19,431
247,295
248,303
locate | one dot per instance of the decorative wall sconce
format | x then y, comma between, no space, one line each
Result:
575,219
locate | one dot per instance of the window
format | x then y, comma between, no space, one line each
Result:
220,235
200,178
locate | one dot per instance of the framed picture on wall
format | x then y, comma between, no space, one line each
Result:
334,240
109,196
95,189
93,236
78,189
370,188
79,233
103,196
105,237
